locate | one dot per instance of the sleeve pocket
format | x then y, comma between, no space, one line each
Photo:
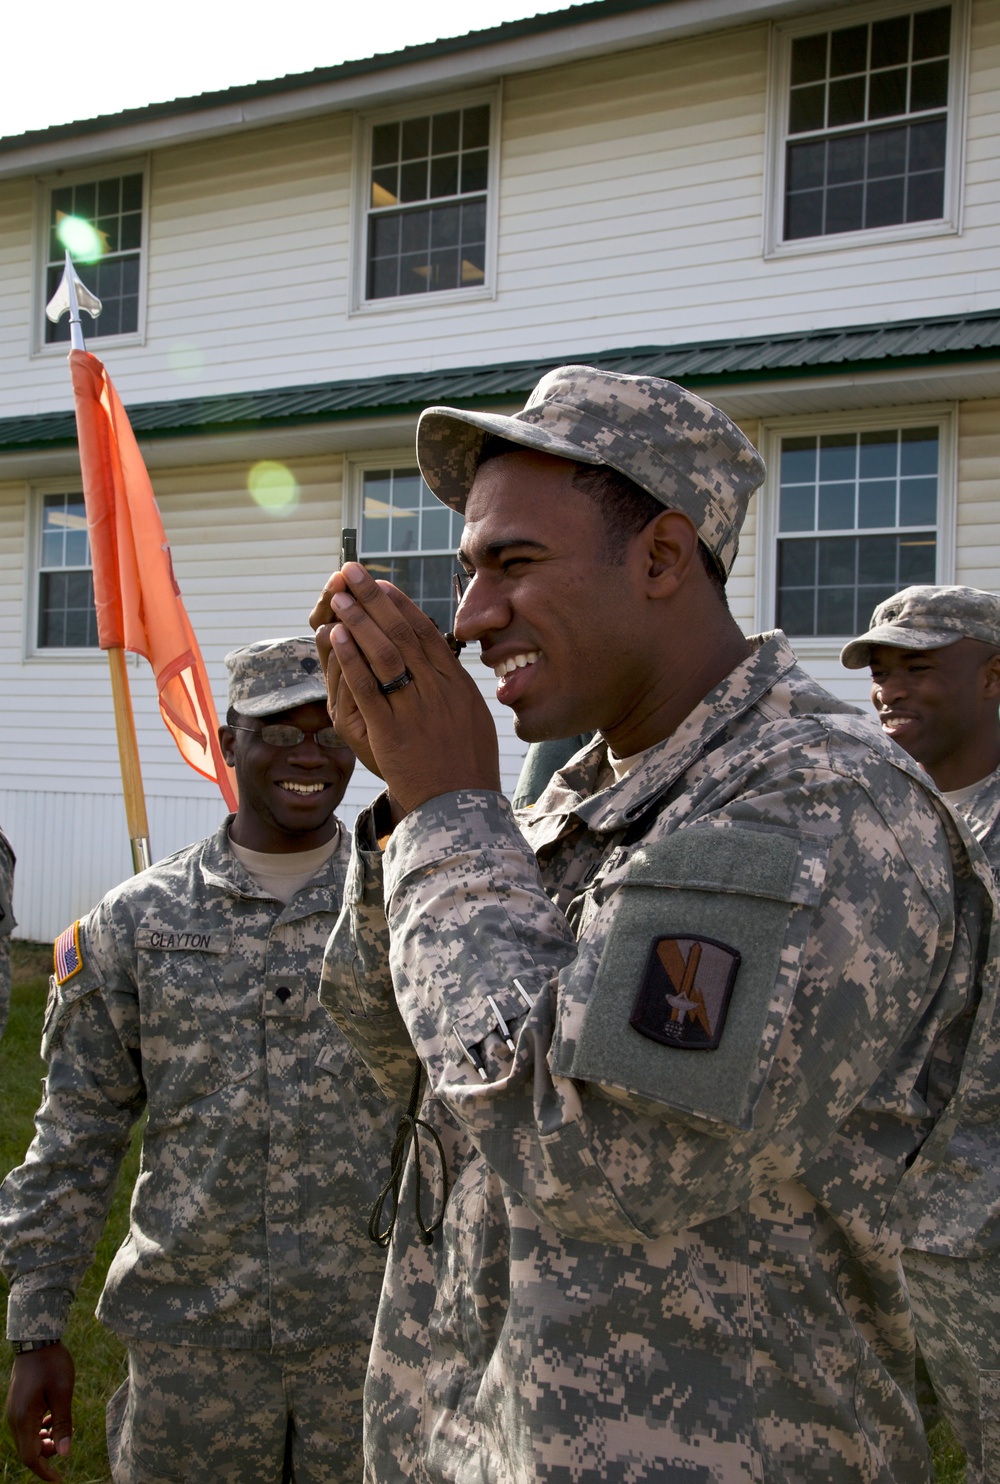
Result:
707,933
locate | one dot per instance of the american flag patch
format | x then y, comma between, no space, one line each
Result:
68,958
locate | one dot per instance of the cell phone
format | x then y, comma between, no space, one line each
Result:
348,544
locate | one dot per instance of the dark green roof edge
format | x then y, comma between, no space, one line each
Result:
535,25
968,339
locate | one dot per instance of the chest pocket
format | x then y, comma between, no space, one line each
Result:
193,992
713,920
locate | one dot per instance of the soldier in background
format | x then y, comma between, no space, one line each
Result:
934,654
246,1288
677,1024
7,924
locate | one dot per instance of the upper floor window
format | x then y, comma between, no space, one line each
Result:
427,209
857,521
66,618
869,129
409,538
100,221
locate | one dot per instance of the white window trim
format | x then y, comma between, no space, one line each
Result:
778,81
356,466
943,414
32,651
91,328
363,124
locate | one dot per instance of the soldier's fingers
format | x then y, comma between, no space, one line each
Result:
405,628
322,612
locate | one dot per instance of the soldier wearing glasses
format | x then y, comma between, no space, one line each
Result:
246,1287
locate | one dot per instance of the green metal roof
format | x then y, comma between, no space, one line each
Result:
943,341
535,25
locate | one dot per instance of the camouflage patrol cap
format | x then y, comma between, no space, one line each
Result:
274,675
676,446
927,618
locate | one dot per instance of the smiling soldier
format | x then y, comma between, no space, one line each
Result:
245,1289
934,654
676,1024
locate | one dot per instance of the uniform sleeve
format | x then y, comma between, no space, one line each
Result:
356,986
845,969
53,1206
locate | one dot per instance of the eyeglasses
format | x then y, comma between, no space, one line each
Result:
279,735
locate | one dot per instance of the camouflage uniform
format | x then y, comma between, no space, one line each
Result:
190,994
659,1262
956,1303
951,1196
7,924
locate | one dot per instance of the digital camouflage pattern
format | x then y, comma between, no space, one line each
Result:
196,1002
7,924
200,1413
659,1264
681,449
273,675
927,618
956,1299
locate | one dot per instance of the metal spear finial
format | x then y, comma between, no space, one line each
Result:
74,295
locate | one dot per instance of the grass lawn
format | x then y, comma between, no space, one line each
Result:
99,1356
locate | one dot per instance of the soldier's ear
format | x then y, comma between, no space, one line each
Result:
670,548
991,676
227,741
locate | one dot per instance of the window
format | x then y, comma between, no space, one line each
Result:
428,181
869,125
66,615
857,521
106,248
408,537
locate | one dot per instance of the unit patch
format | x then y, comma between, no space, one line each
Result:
67,958
684,995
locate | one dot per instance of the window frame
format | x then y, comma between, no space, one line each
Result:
357,465
34,526
44,186
944,415
783,33
364,123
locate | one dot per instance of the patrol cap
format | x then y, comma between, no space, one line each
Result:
927,618
676,446
274,675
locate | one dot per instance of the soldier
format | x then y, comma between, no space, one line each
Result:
7,924
677,1023
934,654
245,1290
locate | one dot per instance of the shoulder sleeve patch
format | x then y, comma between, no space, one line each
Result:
698,969
67,955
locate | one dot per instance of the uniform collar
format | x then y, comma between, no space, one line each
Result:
582,790
220,868
982,811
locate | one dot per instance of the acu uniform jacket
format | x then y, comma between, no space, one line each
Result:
668,1250
191,994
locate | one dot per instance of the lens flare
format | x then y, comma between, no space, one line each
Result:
186,360
80,239
274,487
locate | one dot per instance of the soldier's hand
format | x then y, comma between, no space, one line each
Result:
40,1407
343,709
432,733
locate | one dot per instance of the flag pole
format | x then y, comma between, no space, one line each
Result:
72,294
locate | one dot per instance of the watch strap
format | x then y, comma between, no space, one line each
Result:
22,1347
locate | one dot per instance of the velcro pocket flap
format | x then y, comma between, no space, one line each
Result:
736,888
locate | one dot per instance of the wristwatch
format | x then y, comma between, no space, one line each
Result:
22,1347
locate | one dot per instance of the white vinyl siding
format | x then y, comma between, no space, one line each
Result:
630,213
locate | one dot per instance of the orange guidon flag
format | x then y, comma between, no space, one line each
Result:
139,605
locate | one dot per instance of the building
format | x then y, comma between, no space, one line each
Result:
790,208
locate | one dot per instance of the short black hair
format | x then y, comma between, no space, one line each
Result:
625,506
